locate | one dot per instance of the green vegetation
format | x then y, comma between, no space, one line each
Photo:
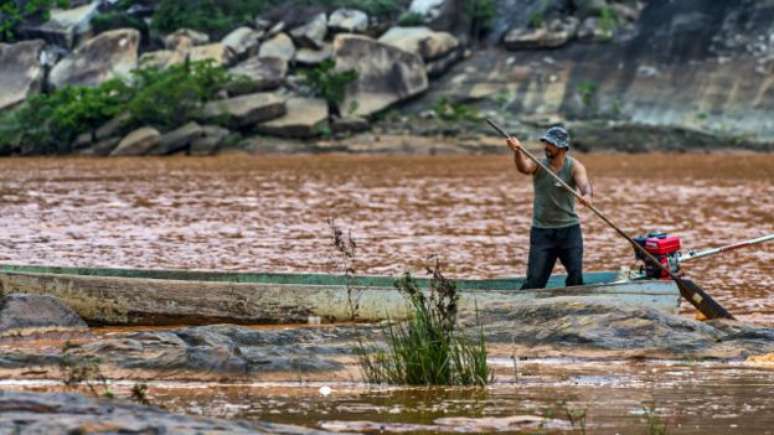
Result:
117,20
656,425
455,112
49,123
409,19
608,21
216,17
426,350
329,84
481,13
13,12
536,19
587,90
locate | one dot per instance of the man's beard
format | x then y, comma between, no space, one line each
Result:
549,156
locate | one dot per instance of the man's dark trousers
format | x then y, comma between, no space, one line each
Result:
548,244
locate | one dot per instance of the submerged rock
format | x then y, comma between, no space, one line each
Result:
574,327
23,314
49,413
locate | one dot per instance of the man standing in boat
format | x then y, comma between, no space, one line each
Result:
556,231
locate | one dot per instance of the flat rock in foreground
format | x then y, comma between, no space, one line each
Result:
60,413
23,314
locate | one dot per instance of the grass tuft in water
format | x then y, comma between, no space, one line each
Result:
427,349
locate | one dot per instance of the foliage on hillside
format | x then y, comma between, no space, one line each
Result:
49,123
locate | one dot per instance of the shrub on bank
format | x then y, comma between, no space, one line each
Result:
329,84
49,123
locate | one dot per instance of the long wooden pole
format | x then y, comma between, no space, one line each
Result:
688,289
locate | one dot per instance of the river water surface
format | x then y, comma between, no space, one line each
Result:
271,214
268,213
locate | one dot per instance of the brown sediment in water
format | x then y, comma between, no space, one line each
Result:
269,213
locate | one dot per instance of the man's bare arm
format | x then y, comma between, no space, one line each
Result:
523,163
582,181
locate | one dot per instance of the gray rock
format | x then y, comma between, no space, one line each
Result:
555,34
438,67
69,413
178,139
386,74
305,118
162,58
65,26
184,39
311,57
108,55
591,31
246,110
311,34
243,41
21,74
348,21
210,141
430,9
264,73
24,314
111,128
280,46
422,41
138,142
219,53
352,124
102,147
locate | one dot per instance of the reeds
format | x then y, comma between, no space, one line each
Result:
427,350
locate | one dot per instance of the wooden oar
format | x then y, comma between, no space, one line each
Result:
709,252
688,289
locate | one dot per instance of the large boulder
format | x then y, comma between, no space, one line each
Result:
210,141
246,110
162,58
348,21
183,39
178,139
65,26
24,314
262,73
138,142
444,15
557,33
280,46
243,41
305,118
427,43
311,34
386,74
311,57
108,55
21,74
218,53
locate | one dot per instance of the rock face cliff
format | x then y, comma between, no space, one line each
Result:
695,64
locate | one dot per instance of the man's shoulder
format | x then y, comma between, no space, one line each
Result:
576,164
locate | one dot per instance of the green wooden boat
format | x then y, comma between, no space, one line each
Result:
159,297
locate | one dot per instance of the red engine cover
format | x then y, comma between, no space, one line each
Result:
663,246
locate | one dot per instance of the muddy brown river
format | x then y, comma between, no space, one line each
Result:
271,213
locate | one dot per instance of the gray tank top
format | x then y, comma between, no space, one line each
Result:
554,207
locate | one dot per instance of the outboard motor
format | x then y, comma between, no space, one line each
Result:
666,250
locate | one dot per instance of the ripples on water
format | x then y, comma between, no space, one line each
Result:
269,214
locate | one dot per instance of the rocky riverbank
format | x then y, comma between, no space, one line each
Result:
624,75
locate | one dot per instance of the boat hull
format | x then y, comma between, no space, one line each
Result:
143,297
